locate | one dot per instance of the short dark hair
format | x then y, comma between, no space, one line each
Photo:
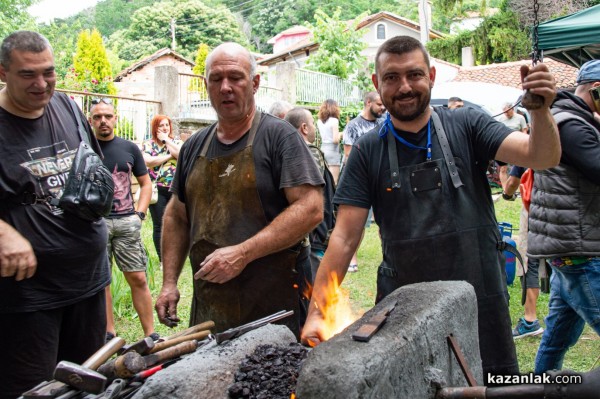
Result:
22,40
297,116
454,99
401,45
371,96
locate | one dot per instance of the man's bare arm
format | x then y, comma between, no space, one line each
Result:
145,193
175,243
16,254
343,243
303,214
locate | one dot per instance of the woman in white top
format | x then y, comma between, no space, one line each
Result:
328,124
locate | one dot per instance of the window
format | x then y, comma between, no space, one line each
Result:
381,31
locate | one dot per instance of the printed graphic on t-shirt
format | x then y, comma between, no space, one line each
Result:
50,165
122,200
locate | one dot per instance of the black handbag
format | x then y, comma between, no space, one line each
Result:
89,190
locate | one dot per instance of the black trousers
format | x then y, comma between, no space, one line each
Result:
157,212
34,342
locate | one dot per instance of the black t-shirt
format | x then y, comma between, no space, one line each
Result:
71,253
474,137
281,159
123,158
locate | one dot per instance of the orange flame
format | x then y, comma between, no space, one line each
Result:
337,312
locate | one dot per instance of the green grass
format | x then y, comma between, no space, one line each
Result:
362,290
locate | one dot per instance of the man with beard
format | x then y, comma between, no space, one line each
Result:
124,159
356,128
423,172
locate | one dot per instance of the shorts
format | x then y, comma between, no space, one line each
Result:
332,154
532,277
125,243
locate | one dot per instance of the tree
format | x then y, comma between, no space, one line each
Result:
340,46
196,84
91,68
195,23
14,16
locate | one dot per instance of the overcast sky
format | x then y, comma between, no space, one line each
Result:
47,10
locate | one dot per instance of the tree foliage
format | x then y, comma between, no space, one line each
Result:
195,23
14,16
340,45
91,68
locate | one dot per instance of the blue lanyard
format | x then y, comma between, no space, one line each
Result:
389,126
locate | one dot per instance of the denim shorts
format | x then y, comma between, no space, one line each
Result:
125,243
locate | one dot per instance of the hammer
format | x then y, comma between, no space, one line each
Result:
83,377
131,363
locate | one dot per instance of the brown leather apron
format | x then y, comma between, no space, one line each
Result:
224,209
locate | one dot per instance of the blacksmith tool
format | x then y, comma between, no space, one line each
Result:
367,330
67,376
237,331
207,325
198,336
143,347
131,363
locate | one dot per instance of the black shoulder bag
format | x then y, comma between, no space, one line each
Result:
89,190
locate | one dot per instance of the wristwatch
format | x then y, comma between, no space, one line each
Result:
142,215
509,197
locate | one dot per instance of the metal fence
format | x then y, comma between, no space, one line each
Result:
134,115
194,101
315,87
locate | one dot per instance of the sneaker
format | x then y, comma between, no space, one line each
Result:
352,268
154,336
525,328
109,336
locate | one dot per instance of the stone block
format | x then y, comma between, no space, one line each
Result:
409,357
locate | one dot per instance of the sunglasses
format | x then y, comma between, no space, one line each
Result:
104,100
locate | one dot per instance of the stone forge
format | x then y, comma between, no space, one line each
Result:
409,357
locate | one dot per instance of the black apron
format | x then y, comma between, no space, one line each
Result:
434,244
224,209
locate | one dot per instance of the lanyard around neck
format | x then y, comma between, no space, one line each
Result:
389,126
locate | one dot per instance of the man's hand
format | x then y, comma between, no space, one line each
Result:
222,265
538,80
166,306
312,332
16,254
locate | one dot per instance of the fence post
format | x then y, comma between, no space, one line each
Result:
166,88
285,80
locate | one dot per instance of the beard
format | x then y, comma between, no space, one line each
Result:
409,113
375,115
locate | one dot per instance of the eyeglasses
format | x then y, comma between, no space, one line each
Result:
105,100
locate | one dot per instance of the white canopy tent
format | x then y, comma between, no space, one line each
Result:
488,95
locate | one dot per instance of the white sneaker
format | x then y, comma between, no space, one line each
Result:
352,268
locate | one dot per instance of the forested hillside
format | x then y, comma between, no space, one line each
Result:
132,29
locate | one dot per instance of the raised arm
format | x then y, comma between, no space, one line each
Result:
541,148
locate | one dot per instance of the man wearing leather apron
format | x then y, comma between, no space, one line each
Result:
247,192
423,172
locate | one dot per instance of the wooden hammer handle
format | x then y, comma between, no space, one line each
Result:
199,336
104,353
171,353
207,325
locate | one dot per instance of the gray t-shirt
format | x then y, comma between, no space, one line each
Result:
356,128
